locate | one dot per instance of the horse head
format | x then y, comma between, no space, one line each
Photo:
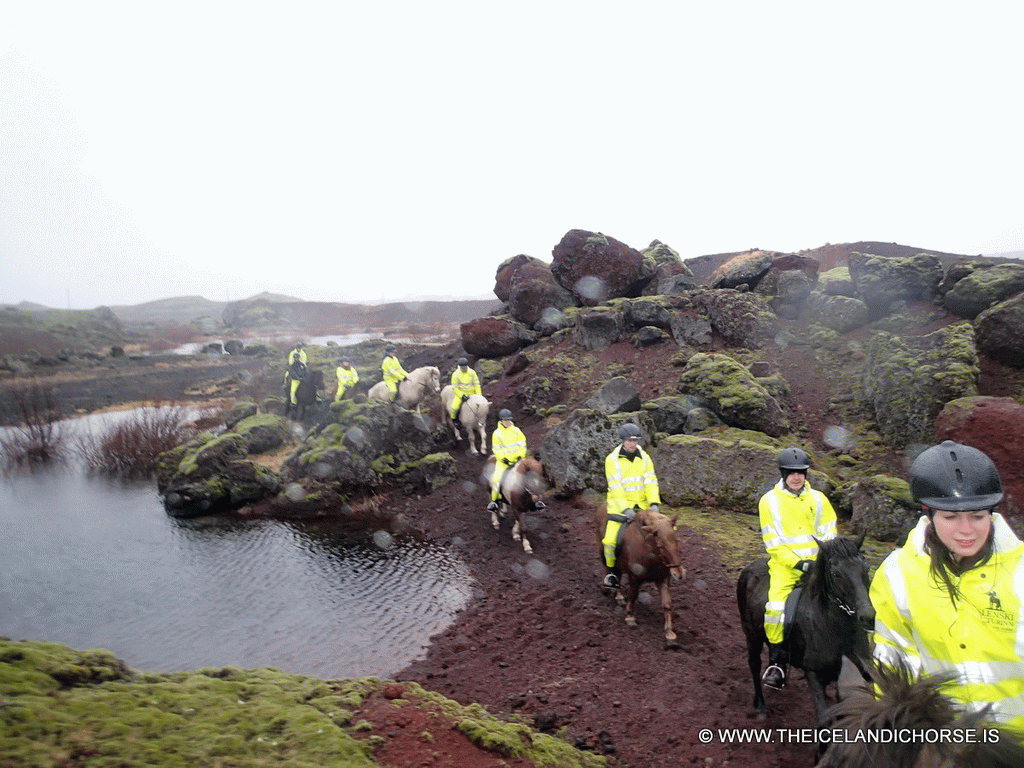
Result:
659,531
435,379
840,574
533,475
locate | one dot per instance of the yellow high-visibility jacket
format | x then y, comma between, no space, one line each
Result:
981,639
347,377
297,354
465,384
630,483
790,522
508,445
392,370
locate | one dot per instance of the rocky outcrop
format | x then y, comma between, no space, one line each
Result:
733,393
883,508
983,286
743,271
595,268
671,275
530,290
999,331
838,313
616,395
495,336
730,470
907,380
881,281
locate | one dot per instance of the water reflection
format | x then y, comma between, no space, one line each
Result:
97,563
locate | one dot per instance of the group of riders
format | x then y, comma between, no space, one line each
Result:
949,601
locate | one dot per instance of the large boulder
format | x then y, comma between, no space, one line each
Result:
671,275
881,281
883,508
994,425
212,474
742,271
574,451
741,319
495,336
595,267
838,313
733,393
907,380
264,432
616,395
983,286
999,331
530,289
597,328
729,470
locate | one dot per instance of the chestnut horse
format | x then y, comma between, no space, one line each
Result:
904,703
522,485
650,551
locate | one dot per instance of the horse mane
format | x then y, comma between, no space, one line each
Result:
838,548
904,701
657,529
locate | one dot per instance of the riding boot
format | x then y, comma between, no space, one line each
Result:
611,577
778,659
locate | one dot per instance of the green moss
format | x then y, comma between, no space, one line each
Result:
216,716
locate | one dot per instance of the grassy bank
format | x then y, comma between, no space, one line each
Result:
61,707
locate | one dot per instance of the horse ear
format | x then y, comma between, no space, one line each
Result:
860,539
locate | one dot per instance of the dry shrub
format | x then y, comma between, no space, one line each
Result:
41,436
130,448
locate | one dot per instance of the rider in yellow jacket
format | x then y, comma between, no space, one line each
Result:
297,355
392,371
465,382
508,445
632,485
952,598
348,377
792,514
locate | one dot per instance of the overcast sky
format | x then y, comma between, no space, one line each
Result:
361,151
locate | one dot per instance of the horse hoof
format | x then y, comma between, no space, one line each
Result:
671,643
630,621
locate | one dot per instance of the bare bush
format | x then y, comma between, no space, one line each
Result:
41,436
130,447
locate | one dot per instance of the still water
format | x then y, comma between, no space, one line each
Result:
96,563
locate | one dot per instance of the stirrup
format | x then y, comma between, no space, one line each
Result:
611,581
771,683
492,507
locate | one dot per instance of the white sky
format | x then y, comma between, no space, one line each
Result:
362,151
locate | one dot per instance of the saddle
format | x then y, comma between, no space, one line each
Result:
619,518
790,609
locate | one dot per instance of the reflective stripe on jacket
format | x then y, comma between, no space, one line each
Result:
790,522
630,482
392,369
465,384
347,376
507,443
981,638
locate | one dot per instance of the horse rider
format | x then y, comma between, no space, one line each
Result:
632,485
347,378
951,600
508,446
392,370
465,382
296,371
792,514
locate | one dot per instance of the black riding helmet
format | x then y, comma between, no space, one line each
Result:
956,477
463,361
793,460
504,414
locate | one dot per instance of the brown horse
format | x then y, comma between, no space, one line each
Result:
522,486
916,708
650,551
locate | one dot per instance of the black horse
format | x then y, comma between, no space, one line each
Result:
306,395
832,619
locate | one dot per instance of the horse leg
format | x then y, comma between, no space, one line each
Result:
633,592
818,692
754,647
495,522
519,533
666,609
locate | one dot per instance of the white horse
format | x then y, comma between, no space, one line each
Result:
472,416
413,389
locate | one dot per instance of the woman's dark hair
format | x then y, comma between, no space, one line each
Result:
943,564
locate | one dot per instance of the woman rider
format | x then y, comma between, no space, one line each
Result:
951,599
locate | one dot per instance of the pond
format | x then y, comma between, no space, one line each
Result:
97,563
